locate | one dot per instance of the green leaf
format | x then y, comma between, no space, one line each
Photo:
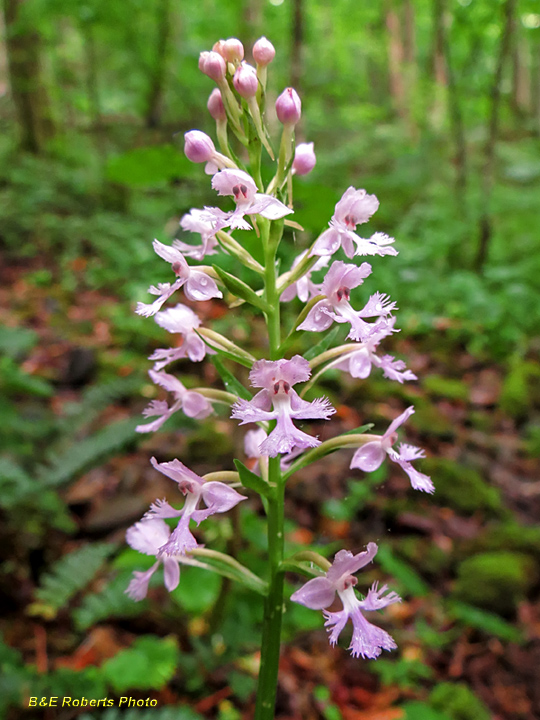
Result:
148,166
328,340
15,342
197,591
483,620
359,430
228,567
252,481
246,362
232,384
148,664
400,570
69,575
155,713
241,289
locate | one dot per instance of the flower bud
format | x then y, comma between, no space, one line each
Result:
304,159
263,52
288,107
219,48
233,50
198,146
215,106
245,81
213,65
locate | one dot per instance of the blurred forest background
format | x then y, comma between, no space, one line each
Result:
434,106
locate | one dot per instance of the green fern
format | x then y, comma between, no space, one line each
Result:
147,665
69,575
87,453
112,601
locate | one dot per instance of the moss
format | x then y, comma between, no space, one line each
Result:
507,536
461,487
427,418
521,389
495,581
446,387
458,702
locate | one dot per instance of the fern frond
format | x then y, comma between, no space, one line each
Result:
67,576
92,451
112,601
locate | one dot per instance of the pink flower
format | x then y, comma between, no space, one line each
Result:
358,362
278,401
180,319
336,286
367,640
192,403
355,207
148,536
217,496
289,107
248,201
215,106
199,148
263,52
245,80
303,288
213,65
233,50
304,159
197,284
202,222
370,456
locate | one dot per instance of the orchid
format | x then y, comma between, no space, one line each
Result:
278,401
358,362
202,222
336,287
354,208
192,403
248,201
319,593
217,496
197,284
370,456
279,446
180,319
148,536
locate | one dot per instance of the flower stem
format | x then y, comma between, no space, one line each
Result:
273,608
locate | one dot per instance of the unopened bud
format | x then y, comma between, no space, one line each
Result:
213,65
289,107
233,50
304,159
263,52
219,48
198,146
245,81
215,106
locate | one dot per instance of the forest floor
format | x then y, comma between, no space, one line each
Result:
474,545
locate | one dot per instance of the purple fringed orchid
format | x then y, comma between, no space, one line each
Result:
370,456
358,363
196,283
248,201
148,536
303,288
318,594
217,496
202,222
278,401
182,320
193,404
336,286
354,208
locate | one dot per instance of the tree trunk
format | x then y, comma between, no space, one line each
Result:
485,228
521,100
25,76
157,80
437,47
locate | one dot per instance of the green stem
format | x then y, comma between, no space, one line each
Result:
273,608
